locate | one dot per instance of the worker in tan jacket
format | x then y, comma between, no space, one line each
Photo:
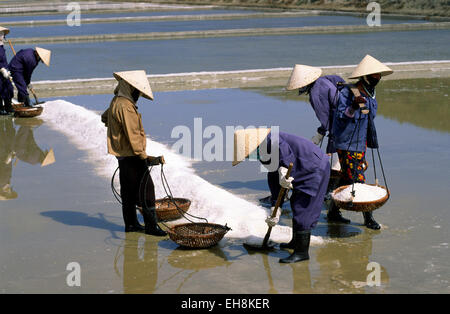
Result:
126,140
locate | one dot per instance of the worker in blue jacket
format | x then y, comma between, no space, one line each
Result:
22,66
6,88
354,127
308,179
323,97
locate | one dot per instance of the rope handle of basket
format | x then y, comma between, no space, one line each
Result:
170,197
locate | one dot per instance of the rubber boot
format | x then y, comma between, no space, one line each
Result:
131,222
8,107
301,247
151,225
289,245
334,214
370,222
2,108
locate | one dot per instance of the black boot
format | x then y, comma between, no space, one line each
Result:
151,225
370,222
8,107
301,247
131,222
334,214
289,245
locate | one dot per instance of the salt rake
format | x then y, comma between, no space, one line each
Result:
265,245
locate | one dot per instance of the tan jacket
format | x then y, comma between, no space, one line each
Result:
125,135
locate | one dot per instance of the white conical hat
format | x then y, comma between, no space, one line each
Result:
4,30
45,55
370,65
303,75
246,141
138,79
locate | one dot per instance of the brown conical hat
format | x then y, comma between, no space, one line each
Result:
303,75
138,79
370,65
4,30
246,141
45,55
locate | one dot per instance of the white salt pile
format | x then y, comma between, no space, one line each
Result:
363,193
85,129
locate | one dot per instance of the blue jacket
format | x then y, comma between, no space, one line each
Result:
6,89
309,164
351,133
22,66
3,61
323,97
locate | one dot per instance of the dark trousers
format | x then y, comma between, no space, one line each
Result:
306,208
136,187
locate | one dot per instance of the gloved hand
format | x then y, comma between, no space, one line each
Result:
272,222
317,139
285,183
336,165
6,74
358,102
154,161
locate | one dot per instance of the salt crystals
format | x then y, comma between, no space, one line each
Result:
363,193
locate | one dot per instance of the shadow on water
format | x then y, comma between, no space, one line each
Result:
73,218
339,231
260,185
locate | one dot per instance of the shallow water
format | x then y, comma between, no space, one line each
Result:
74,217
178,26
238,53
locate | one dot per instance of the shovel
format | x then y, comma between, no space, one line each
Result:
279,202
37,102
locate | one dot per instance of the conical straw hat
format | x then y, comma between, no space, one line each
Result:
45,55
138,79
370,65
246,141
4,30
303,75
49,158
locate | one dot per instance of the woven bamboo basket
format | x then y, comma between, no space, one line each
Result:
26,112
198,235
170,209
360,206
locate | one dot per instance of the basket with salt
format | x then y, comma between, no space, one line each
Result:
367,197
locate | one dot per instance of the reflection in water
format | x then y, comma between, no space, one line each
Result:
192,261
415,101
7,134
418,102
343,265
18,145
140,264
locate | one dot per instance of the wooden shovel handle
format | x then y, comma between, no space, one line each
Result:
277,205
12,48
